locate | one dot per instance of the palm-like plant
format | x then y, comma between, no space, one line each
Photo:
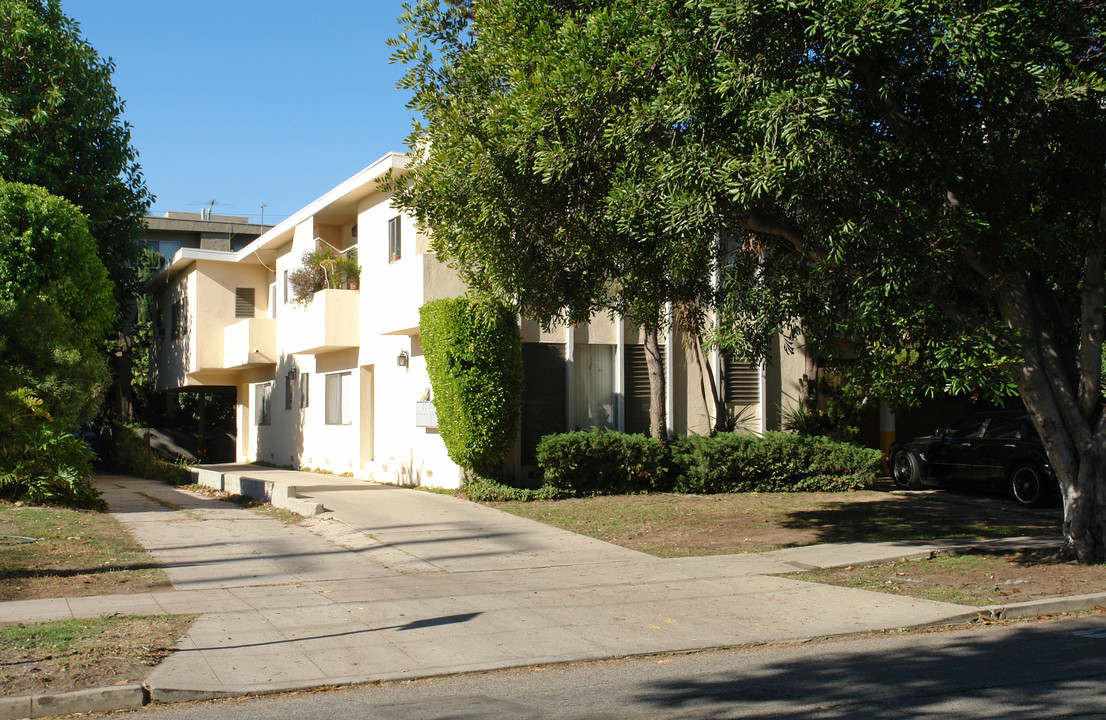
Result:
323,268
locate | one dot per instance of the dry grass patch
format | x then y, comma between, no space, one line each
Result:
85,653
974,579
670,525
75,553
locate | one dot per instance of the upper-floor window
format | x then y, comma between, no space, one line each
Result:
394,241
243,302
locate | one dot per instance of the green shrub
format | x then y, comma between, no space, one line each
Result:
603,462
320,269
473,356
776,462
128,455
480,489
41,463
612,463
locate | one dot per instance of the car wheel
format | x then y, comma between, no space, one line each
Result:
906,470
1028,485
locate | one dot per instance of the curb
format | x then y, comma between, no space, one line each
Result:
1050,606
123,697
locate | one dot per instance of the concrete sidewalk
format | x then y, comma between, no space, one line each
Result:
391,583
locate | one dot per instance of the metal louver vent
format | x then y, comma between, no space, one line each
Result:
742,383
243,302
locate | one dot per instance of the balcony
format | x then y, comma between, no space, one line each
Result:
251,341
328,323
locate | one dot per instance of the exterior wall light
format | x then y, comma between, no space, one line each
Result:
402,358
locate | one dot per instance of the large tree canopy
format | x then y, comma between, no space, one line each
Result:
55,308
61,128
923,179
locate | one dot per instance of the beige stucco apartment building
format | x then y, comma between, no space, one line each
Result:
340,383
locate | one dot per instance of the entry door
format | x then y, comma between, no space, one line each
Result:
367,416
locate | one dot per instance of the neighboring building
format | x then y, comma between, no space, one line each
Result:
336,384
175,230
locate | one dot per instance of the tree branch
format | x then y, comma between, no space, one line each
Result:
755,222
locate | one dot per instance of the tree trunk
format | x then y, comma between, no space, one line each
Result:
1068,415
712,404
808,384
658,420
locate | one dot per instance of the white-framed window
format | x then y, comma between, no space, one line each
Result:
263,403
339,398
395,244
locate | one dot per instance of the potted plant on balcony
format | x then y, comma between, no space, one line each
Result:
323,268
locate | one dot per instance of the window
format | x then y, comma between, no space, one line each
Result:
394,243
286,287
289,385
339,398
637,388
593,396
263,403
243,302
272,300
167,248
178,320
304,389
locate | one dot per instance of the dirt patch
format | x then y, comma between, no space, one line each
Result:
76,654
972,579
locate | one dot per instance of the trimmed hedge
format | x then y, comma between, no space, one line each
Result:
612,463
603,463
776,462
473,356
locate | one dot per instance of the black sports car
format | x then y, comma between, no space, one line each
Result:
999,450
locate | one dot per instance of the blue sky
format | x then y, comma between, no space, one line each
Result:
246,102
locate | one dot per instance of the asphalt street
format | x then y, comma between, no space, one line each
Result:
1044,669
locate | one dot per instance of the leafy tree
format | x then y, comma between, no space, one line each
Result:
520,164
944,163
924,179
55,306
61,128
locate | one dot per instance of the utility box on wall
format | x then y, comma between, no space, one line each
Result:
425,414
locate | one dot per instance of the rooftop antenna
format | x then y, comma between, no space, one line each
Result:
205,213
263,206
